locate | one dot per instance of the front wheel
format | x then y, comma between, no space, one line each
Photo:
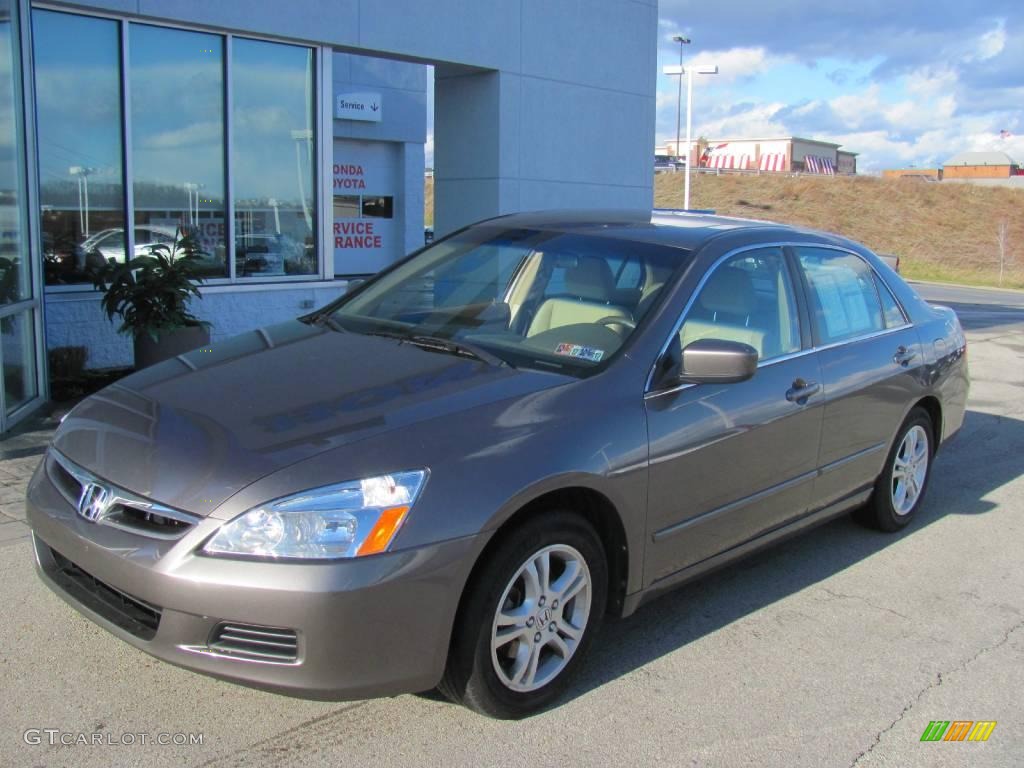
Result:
900,488
530,613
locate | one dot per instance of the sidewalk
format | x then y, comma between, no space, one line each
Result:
20,452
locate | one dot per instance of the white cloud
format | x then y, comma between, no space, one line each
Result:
758,121
195,134
992,43
734,64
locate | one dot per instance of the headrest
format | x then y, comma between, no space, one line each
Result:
590,279
729,290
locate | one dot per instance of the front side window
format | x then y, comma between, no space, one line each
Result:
748,298
537,299
844,300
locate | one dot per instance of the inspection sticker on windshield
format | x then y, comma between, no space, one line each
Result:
581,352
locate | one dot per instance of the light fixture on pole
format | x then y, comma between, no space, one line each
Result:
679,100
700,69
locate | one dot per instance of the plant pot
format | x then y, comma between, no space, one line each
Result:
169,344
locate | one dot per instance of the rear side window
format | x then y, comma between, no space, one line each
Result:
844,299
894,316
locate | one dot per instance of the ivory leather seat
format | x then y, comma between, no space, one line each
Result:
588,286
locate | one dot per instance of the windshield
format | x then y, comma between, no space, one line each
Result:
537,299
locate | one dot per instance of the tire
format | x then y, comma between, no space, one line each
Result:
892,506
499,682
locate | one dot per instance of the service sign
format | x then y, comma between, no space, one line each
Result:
363,105
367,235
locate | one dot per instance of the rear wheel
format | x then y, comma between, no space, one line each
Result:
529,616
899,490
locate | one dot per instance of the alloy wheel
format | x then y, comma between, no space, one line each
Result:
541,618
910,468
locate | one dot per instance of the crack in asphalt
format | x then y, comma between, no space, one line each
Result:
935,683
843,596
270,740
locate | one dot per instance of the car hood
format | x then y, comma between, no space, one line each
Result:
193,431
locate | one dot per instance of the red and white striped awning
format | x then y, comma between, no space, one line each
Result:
773,161
822,165
733,162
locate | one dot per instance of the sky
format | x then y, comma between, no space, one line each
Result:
902,82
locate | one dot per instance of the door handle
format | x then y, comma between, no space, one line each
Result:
903,356
801,390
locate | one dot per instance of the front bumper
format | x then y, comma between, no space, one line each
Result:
373,626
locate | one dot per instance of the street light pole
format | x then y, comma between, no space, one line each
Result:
81,174
700,69
679,101
689,132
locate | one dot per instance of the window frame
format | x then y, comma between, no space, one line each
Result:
27,183
323,144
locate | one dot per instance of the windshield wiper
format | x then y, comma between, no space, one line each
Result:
440,344
454,347
328,320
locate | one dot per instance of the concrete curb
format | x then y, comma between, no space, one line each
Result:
1016,291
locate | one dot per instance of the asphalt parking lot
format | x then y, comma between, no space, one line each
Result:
833,649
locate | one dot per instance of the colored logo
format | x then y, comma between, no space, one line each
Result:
958,730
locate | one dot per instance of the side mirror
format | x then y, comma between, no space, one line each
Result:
354,283
717,361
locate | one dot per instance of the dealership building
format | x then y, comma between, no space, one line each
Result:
290,139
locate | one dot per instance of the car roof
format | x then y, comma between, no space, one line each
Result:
680,229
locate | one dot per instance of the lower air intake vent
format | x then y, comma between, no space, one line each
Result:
255,643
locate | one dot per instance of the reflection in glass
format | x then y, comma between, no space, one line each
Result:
273,169
78,122
346,206
177,124
376,207
18,352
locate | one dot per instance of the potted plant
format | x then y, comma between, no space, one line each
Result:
150,294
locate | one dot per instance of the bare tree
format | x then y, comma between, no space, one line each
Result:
1003,241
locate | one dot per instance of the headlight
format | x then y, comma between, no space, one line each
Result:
336,521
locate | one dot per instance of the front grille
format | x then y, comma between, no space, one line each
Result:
126,510
255,643
121,609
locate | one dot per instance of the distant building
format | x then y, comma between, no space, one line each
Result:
981,165
785,154
926,174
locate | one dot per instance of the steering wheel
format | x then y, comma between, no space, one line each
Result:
612,320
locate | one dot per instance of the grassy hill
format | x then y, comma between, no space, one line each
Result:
941,231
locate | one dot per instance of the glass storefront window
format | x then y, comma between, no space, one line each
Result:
17,348
273,166
15,276
175,87
78,125
177,125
